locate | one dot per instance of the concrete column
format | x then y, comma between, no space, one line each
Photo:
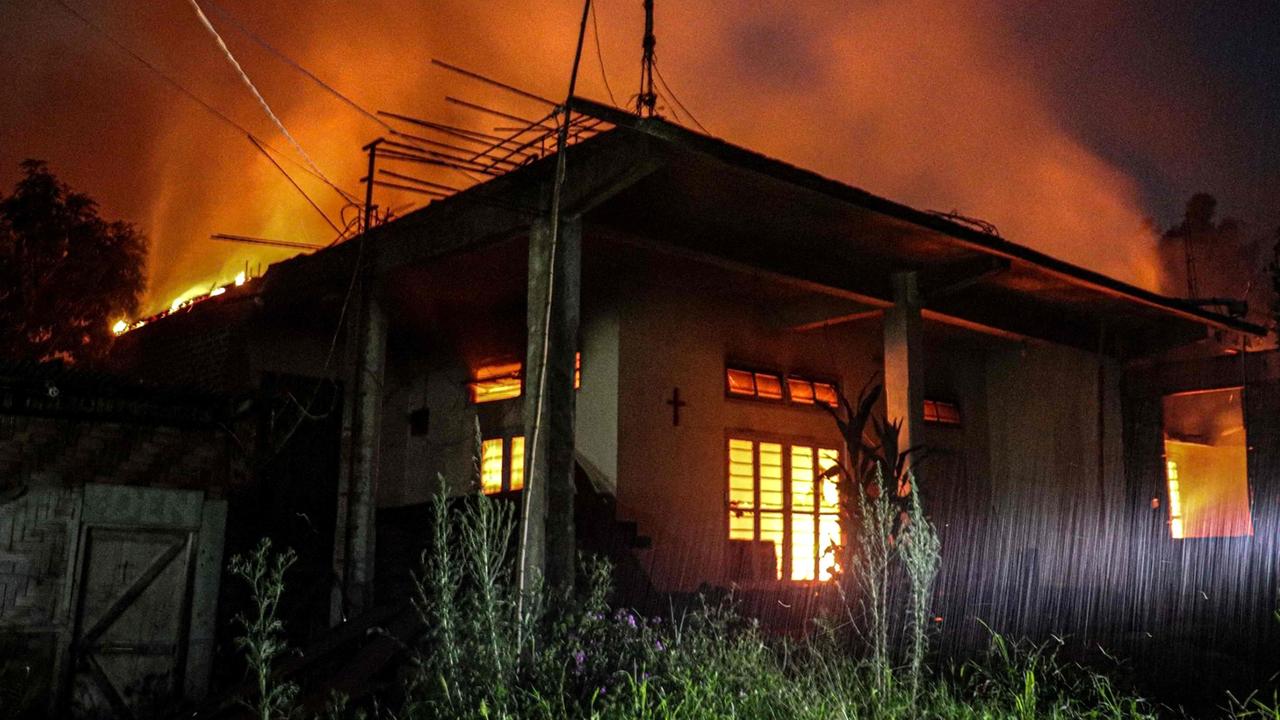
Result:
547,543
361,430
904,360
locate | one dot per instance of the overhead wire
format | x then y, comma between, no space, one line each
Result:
295,185
600,55
182,89
244,77
676,99
226,15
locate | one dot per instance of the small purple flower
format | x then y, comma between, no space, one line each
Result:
657,645
579,660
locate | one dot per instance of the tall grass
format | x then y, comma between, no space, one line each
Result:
484,655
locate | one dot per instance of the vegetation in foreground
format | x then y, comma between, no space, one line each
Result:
486,654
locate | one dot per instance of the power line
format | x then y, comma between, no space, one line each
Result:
226,15
215,112
675,99
600,56
295,185
226,52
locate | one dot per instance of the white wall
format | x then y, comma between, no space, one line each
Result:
672,480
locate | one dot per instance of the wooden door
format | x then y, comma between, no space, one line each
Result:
131,625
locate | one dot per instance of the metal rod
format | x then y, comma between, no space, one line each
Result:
368,188
491,81
429,183
410,188
227,237
472,135
490,111
400,154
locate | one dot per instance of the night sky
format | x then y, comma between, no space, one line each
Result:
1066,124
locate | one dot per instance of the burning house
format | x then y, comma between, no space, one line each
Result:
655,368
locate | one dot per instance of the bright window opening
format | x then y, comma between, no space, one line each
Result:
1206,465
778,500
941,412
504,381
502,465
770,386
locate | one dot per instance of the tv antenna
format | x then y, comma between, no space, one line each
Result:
647,100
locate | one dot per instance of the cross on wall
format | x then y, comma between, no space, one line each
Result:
676,403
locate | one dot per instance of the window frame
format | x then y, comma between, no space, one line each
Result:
1164,489
785,379
508,461
787,442
516,375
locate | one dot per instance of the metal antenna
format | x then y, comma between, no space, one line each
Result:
647,100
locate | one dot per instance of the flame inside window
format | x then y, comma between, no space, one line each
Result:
502,465
1206,465
777,496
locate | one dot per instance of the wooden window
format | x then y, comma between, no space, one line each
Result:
776,496
504,381
502,465
941,412
1206,465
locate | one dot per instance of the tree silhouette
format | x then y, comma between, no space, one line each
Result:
1205,250
66,274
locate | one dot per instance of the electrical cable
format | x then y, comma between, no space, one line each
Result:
188,93
244,77
675,99
600,56
226,15
295,185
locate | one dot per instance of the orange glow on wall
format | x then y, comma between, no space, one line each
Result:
1206,465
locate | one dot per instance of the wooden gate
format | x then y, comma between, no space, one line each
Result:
131,625
141,600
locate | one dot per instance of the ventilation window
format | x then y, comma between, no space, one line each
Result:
504,381
1206,465
770,386
759,385
941,412
492,383
502,465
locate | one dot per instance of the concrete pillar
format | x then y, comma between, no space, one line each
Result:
547,543
904,360
361,436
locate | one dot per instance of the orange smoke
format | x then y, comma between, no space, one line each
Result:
912,100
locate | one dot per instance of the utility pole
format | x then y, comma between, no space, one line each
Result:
647,100
369,207
553,295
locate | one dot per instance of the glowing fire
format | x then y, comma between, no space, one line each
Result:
185,300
